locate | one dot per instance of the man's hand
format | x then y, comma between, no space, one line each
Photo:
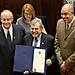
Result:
26,72
48,62
63,67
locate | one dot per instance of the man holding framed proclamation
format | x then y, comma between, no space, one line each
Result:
43,41
29,58
44,58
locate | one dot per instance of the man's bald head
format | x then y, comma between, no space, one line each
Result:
68,7
6,13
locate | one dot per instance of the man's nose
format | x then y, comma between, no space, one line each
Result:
34,30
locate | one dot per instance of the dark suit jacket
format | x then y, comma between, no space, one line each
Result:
7,51
46,42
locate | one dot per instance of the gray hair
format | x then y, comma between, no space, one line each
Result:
6,11
35,20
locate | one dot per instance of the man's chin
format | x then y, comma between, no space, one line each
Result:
6,27
35,36
66,21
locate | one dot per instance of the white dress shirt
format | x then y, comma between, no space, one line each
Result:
10,30
71,22
38,41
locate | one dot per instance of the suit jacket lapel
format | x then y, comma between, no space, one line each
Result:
43,41
30,41
4,39
2,34
14,33
61,29
70,30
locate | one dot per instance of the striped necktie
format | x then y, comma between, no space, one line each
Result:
67,26
35,43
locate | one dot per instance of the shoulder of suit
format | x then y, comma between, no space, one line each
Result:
48,36
60,20
28,35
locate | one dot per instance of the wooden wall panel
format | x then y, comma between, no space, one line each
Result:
48,8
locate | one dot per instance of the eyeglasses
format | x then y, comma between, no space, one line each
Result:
28,14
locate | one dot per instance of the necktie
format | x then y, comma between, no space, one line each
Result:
8,37
67,26
35,43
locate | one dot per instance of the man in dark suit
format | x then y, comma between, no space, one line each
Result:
7,47
43,41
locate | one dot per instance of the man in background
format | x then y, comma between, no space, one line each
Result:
65,40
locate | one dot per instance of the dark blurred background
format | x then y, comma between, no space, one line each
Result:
48,10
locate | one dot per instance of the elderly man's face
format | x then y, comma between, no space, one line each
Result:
36,30
67,14
6,19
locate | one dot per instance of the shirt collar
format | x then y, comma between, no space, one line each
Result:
71,21
7,29
10,30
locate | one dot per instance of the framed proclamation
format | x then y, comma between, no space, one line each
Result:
23,58
39,60
29,58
